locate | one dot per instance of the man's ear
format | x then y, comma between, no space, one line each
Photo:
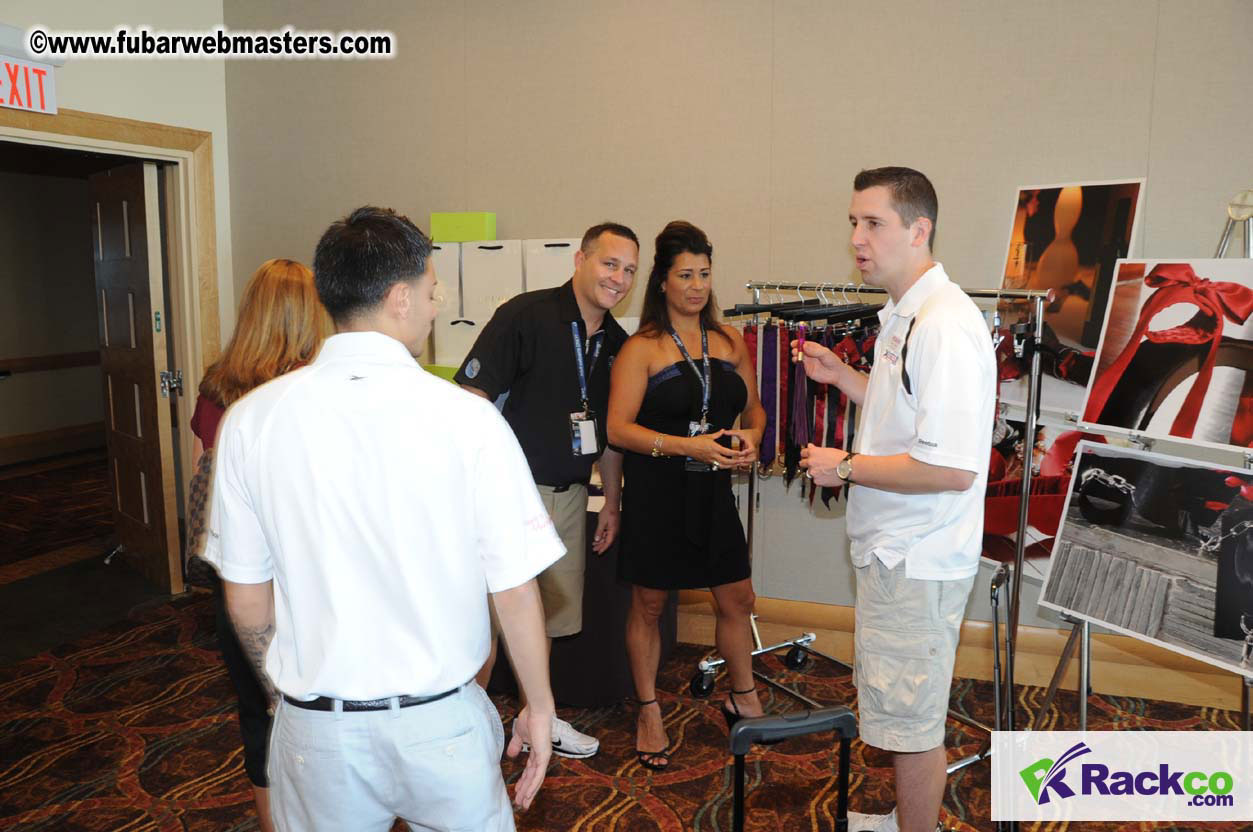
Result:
579,257
399,299
921,232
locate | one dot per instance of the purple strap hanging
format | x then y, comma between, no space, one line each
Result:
799,416
802,402
769,390
835,406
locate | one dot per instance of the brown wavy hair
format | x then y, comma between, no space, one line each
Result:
678,237
281,325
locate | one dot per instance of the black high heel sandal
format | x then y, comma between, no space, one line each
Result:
653,760
733,716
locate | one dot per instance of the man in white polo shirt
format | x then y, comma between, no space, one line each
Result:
360,509
918,475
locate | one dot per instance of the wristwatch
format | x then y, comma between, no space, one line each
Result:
844,468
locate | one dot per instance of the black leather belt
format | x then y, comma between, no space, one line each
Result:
326,703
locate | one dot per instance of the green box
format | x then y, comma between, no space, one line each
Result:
441,370
462,226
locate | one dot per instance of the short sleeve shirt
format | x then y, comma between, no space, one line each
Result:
384,503
205,420
942,417
528,350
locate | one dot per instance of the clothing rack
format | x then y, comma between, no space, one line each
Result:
1028,335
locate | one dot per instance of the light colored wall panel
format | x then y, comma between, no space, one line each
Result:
982,96
589,114
323,137
1201,152
555,115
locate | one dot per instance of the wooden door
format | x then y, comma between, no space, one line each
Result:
133,329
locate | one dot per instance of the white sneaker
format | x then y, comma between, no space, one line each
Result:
568,742
858,822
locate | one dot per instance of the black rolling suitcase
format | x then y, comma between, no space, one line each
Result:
746,732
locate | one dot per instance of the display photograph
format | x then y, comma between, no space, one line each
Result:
1067,239
1159,548
1176,351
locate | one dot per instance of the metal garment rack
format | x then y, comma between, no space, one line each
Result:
1028,335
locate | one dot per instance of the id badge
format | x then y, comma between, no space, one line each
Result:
583,434
695,465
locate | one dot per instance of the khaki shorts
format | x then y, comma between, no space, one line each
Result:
561,585
905,644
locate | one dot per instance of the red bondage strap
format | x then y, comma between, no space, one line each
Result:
750,343
1216,300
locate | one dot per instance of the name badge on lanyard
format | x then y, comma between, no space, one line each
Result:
706,383
583,441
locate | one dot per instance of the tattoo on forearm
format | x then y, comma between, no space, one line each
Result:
256,641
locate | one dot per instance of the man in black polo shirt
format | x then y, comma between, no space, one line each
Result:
551,350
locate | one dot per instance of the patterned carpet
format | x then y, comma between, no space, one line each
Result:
131,729
53,509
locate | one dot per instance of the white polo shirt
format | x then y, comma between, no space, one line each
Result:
946,419
385,503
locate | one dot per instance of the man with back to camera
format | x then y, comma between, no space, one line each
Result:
551,350
918,475
360,508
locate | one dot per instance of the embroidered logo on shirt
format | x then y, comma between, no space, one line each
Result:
355,378
472,368
928,444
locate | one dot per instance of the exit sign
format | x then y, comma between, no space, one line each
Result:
27,85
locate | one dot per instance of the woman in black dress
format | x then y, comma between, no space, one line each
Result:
678,387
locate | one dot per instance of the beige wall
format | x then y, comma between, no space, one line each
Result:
747,117
47,303
180,93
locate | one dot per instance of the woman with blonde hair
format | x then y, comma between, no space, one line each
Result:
281,326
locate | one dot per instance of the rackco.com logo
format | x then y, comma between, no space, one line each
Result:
1046,780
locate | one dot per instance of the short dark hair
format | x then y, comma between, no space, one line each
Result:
617,229
363,255
676,238
912,193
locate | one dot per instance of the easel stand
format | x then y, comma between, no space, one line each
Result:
1239,210
1080,634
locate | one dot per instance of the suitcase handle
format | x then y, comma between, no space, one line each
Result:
765,728
746,732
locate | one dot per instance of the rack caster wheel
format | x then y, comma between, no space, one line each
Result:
702,684
796,658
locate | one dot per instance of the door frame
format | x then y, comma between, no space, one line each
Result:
191,256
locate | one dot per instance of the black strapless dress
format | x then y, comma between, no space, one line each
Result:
681,529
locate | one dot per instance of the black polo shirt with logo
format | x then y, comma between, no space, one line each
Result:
527,350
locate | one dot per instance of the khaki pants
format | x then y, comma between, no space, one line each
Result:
561,584
905,644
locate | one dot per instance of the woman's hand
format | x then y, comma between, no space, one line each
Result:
748,446
705,448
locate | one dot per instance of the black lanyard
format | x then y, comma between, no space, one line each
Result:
705,377
578,360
